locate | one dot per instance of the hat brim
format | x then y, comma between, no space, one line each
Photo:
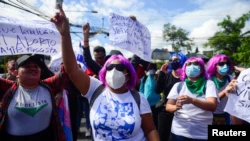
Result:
25,59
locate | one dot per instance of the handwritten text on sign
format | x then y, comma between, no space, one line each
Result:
239,103
130,35
28,37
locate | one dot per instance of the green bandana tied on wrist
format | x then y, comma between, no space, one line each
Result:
219,84
197,86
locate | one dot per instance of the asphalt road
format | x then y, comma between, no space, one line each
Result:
81,134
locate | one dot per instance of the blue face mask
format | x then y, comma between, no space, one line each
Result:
223,70
193,70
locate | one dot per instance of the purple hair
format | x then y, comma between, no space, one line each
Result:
183,75
211,66
131,71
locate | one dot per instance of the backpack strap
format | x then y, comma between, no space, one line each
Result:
96,93
180,85
101,88
136,97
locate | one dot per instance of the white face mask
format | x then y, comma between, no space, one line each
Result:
115,79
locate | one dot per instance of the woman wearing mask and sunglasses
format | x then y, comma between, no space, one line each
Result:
219,69
114,114
168,76
193,103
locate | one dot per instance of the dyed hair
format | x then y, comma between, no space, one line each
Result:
181,56
211,66
130,69
183,75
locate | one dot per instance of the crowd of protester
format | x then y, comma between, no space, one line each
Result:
121,98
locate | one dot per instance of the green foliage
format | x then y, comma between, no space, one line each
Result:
243,53
230,41
177,36
159,64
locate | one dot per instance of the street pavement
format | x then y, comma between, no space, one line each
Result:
81,134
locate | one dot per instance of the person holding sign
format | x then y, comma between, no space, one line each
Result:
115,113
238,98
219,69
193,101
28,109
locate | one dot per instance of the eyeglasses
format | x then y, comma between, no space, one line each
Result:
194,63
119,67
223,63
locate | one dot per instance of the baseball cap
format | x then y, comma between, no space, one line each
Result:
25,58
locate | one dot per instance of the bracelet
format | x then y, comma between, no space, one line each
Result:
86,41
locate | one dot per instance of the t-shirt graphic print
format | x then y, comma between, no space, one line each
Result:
114,120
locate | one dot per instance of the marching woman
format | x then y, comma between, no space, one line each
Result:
219,69
192,101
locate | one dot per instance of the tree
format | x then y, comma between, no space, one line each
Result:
229,40
243,53
177,36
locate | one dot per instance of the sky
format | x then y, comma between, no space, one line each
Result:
198,17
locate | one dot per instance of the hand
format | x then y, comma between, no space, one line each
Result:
11,76
133,17
164,68
178,105
239,69
85,28
231,87
61,22
184,99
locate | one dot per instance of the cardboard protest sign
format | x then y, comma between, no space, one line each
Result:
238,104
130,35
28,37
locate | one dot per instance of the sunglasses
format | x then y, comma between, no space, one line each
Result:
223,63
194,63
119,67
175,60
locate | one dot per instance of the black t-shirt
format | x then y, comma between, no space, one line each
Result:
165,82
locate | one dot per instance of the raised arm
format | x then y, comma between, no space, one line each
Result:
77,75
92,65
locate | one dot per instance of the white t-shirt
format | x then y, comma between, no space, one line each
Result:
116,116
29,111
191,121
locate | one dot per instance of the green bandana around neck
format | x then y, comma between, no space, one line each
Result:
219,84
197,86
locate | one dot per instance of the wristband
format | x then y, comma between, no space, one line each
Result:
86,41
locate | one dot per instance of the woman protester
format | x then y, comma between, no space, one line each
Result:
115,113
219,69
192,101
28,110
168,76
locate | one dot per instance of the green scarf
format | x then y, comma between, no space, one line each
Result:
219,84
197,86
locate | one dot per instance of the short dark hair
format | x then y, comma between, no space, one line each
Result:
100,49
